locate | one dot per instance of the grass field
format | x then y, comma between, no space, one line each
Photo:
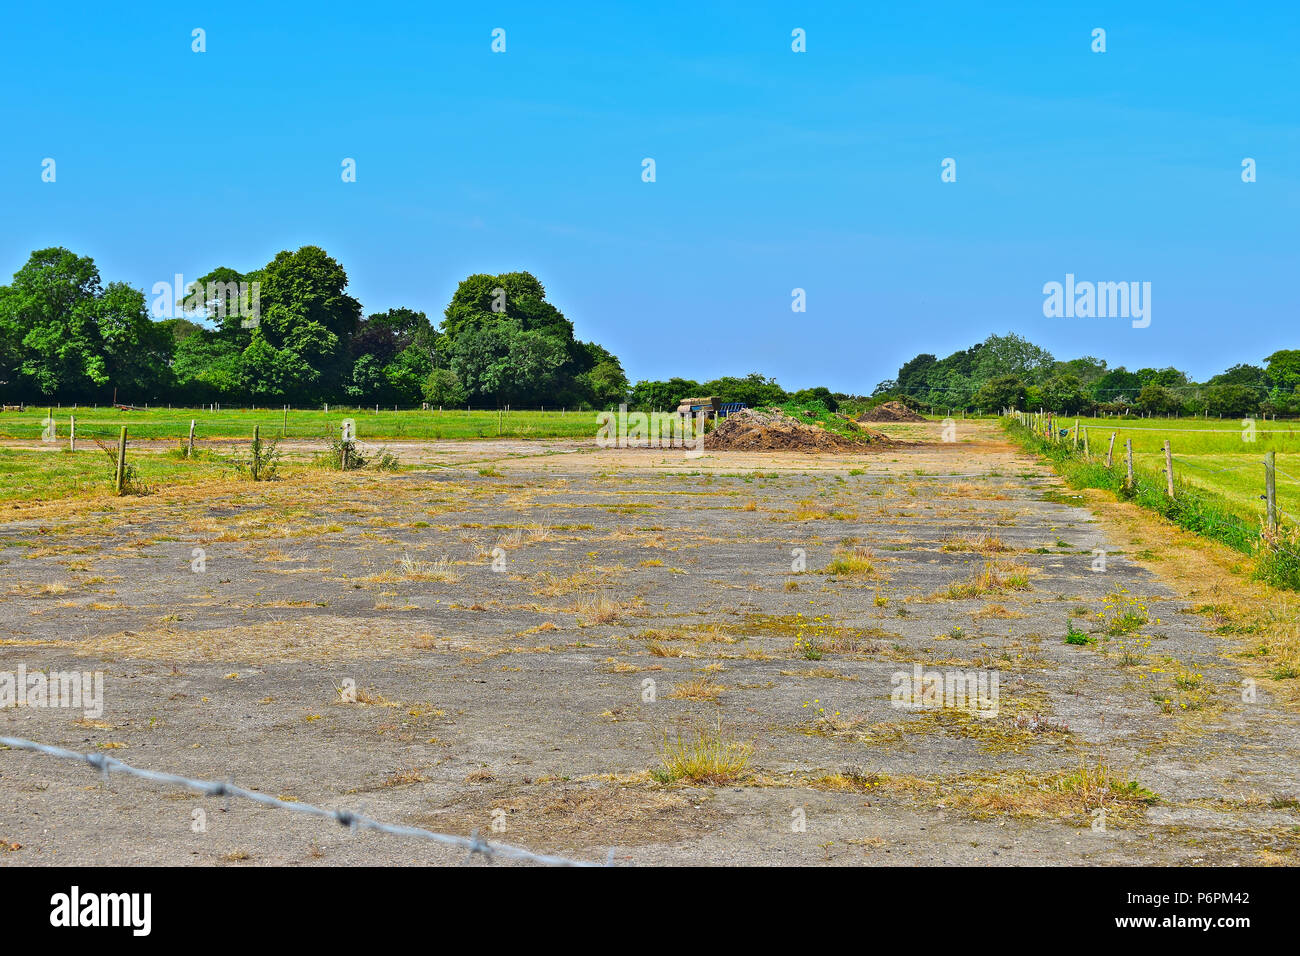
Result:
105,423
1211,455
1218,481
50,475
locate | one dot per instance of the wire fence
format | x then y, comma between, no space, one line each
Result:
355,822
53,425
1237,531
1191,431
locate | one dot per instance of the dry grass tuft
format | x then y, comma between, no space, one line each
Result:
980,543
993,578
707,754
858,562
699,689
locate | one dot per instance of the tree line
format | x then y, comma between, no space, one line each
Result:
1007,371
290,333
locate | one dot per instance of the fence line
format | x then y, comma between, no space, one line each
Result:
1189,431
353,821
1244,530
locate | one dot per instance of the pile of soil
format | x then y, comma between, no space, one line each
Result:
891,412
770,429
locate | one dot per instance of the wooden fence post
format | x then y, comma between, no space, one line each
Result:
284,428
72,433
1270,487
1087,451
1128,460
1076,434
189,452
1169,469
121,462
1110,450
255,459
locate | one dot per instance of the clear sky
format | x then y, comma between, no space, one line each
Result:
775,169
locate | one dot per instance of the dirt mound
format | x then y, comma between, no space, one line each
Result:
770,429
890,412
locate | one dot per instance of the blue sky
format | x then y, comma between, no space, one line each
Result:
775,169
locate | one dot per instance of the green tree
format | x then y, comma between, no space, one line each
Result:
1117,385
392,355
662,396
754,390
443,388
1284,369
137,352
1011,354
1086,368
48,319
1005,391
1159,400
1064,394
1232,400
299,347
506,343
912,377
818,394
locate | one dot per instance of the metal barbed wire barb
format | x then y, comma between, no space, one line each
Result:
353,821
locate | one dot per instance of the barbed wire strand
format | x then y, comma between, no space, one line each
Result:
347,818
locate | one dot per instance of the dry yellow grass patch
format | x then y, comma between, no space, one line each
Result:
440,569
599,609
702,688
980,543
993,578
852,780
1074,795
995,611
712,634
656,649
809,510
365,697
402,778
824,673
551,585
319,637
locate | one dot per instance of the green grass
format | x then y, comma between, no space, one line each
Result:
1207,454
50,475
815,413
105,423
1223,505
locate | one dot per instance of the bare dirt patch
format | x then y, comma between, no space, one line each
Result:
770,429
891,412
